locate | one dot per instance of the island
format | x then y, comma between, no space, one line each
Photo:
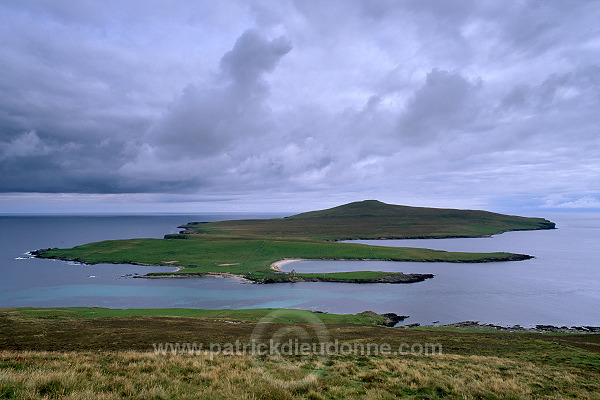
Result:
250,249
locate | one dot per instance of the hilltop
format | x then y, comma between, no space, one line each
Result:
373,219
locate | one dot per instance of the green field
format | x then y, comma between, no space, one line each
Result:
83,353
251,258
241,315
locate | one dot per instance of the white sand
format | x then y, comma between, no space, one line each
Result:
276,266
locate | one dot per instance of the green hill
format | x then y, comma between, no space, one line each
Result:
372,219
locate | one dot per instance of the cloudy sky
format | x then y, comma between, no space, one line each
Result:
190,106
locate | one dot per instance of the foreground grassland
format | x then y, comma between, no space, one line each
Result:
71,354
372,219
251,258
143,375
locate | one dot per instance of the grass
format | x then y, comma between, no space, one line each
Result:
142,375
202,254
372,219
73,354
242,315
89,329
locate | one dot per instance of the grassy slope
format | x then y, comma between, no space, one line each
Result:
371,219
143,375
61,353
245,315
204,253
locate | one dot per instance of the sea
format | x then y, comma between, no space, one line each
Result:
560,286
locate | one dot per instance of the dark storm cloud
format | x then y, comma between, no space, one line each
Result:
413,101
445,102
205,119
251,57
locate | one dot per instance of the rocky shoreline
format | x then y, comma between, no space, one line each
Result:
514,328
393,319
383,278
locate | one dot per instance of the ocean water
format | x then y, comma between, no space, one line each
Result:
561,286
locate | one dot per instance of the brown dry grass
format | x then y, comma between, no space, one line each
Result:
50,355
142,375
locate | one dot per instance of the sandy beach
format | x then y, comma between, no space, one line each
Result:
276,266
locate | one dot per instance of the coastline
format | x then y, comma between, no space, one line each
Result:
276,266
538,328
204,275
285,277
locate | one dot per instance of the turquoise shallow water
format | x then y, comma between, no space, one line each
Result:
561,286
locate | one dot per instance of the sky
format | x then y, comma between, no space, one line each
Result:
200,106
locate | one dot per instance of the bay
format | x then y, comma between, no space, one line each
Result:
560,286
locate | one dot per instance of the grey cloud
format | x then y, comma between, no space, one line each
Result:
32,163
28,144
206,118
251,57
426,99
445,102
579,89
